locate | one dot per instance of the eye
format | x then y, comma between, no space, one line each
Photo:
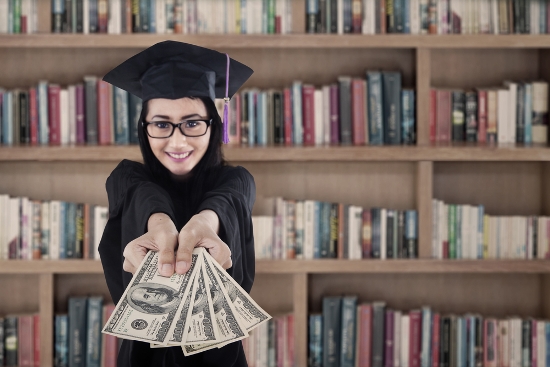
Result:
161,125
192,123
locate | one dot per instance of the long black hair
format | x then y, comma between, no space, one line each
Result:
203,174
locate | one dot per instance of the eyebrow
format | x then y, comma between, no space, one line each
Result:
183,118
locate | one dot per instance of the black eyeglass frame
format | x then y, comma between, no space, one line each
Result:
174,126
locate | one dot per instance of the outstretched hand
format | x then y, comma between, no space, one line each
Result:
175,248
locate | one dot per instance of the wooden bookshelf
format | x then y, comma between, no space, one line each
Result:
507,180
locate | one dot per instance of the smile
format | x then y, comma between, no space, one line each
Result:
179,156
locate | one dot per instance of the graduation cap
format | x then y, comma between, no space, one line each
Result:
175,70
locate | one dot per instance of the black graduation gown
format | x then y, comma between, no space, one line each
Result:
133,197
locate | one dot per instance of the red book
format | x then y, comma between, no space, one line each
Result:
24,23
482,116
287,108
26,340
534,358
33,116
290,339
382,16
128,15
80,113
308,113
278,24
415,338
367,234
334,115
358,127
109,342
356,17
443,126
388,336
435,339
341,228
364,335
103,113
54,113
281,336
433,115
102,15
36,344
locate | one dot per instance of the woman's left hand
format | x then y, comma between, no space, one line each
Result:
201,230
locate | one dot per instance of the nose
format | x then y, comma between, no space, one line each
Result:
178,139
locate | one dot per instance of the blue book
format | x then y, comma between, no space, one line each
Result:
543,16
94,20
411,232
399,15
548,343
252,117
43,120
317,229
392,107
144,15
315,340
153,16
77,331
7,118
481,213
407,16
61,342
332,319
244,27
471,339
70,230
122,119
349,316
426,354
528,109
375,106
262,118
93,337
325,229
62,230
298,135
408,128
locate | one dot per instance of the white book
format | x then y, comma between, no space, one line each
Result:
26,11
257,232
365,26
4,206
474,234
494,17
71,99
484,9
299,218
284,237
534,14
45,229
100,217
288,17
55,211
397,317
248,11
355,223
443,13
160,13
64,114
14,228
522,235
340,16
503,337
318,116
383,231
85,16
111,24
326,114
4,17
405,332
234,15
444,220
414,9
512,115
503,111
309,228
541,343
24,229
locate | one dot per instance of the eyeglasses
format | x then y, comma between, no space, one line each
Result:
165,129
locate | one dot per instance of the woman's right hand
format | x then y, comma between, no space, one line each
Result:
161,236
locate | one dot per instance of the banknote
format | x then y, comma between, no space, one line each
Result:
149,304
247,309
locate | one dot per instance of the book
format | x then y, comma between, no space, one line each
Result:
392,107
77,331
11,340
348,334
94,324
332,307
61,341
315,340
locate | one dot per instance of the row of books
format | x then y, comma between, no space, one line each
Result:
353,111
34,229
467,232
357,111
514,113
92,112
20,340
271,344
18,16
349,334
428,16
78,340
172,16
309,229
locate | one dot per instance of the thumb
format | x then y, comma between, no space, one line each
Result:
186,244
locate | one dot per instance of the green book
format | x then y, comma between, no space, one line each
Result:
452,231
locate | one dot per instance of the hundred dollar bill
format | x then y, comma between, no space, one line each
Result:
200,324
149,304
227,320
250,313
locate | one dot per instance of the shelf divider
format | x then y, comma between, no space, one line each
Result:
46,319
300,319
423,78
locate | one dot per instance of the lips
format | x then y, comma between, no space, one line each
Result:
179,155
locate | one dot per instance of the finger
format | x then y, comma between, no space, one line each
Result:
186,244
218,249
227,264
128,267
166,260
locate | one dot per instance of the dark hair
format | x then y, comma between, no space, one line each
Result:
207,167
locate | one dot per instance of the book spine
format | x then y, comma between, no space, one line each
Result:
520,114
308,114
103,109
334,115
77,331
426,332
311,16
315,340
376,110
378,334
93,332
357,112
408,128
25,338
471,116
297,113
33,116
366,234
392,107
331,331
364,335
287,107
11,341
348,333
389,234
80,114
436,344
91,110
61,355
345,110
2,338
458,104
415,338
528,110
389,338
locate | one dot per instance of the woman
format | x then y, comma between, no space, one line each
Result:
184,195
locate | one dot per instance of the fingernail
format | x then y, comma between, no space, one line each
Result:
167,269
181,266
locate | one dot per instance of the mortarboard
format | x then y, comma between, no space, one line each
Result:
174,70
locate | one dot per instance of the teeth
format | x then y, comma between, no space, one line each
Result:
179,156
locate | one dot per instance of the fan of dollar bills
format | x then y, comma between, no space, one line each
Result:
202,309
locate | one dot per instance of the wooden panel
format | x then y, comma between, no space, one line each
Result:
300,319
68,181
44,14
20,294
391,185
485,68
274,293
503,188
545,294
78,285
273,68
46,320
424,191
543,65
423,77
298,16
489,295
545,194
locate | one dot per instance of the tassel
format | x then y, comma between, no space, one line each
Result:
225,121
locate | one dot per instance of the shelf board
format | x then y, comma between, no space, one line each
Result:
310,266
229,41
292,154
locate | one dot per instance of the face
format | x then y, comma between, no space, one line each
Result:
150,296
178,153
